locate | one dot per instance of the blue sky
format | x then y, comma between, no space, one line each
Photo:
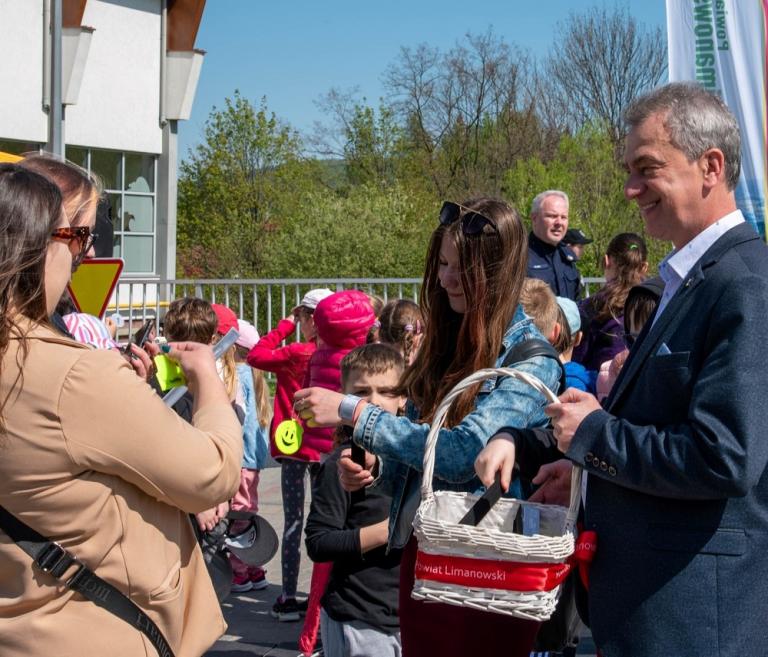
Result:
294,51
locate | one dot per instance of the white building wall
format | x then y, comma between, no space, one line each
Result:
21,73
119,103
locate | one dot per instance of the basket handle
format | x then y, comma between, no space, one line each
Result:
442,411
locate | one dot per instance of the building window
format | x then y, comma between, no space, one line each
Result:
18,147
129,180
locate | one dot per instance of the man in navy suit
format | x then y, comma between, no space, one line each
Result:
677,490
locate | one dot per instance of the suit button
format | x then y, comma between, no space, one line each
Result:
588,458
603,466
596,462
612,471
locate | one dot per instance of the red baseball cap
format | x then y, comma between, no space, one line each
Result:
227,318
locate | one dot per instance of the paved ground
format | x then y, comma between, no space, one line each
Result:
252,631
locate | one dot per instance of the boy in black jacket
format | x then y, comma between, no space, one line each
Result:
359,607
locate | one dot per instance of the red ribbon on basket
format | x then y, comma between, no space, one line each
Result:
506,575
584,553
490,574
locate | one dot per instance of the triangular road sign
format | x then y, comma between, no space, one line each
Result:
93,282
9,157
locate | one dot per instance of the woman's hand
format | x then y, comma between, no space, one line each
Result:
199,366
141,359
497,456
554,481
195,359
207,520
352,475
319,407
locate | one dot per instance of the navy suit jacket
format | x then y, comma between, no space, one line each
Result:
678,492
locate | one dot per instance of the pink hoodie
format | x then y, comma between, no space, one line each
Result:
342,321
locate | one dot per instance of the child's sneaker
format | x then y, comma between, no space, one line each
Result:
241,583
258,578
285,610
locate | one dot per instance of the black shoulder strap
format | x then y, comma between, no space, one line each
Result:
530,349
53,559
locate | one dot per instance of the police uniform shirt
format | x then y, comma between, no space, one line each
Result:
555,265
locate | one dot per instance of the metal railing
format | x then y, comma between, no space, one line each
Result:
263,302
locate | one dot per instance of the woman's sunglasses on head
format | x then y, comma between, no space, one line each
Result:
82,234
472,223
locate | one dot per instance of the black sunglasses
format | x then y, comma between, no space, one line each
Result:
472,223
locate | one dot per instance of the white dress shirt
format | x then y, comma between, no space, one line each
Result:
678,264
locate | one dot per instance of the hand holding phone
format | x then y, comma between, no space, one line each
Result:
141,336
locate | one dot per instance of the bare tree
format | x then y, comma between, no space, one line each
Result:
467,112
604,59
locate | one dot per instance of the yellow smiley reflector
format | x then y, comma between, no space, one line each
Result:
169,373
288,437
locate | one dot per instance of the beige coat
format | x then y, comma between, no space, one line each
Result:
93,459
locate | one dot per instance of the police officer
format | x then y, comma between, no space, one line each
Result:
548,258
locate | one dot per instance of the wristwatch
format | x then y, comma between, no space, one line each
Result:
347,408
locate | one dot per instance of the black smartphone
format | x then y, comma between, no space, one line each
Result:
141,336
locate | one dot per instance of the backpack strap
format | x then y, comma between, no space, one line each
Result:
531,348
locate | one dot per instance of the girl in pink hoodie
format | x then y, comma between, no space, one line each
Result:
289,363
342,321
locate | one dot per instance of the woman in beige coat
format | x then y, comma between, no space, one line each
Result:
90,457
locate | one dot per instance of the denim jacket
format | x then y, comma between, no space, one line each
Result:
399,441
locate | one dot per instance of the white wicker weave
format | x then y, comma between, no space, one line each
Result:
438,530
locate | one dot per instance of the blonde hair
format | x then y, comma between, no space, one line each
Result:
228,369
260,387
540,304
80,190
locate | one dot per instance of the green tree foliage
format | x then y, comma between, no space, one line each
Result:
481,117
371,232
234,187
585,167
368,141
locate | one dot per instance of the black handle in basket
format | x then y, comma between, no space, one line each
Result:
481,508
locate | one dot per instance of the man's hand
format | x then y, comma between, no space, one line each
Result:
497,456
568,413
554,483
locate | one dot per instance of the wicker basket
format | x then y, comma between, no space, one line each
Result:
488,567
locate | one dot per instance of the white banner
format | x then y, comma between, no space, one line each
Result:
721,45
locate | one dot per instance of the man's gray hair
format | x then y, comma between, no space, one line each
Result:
696,120
536,205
